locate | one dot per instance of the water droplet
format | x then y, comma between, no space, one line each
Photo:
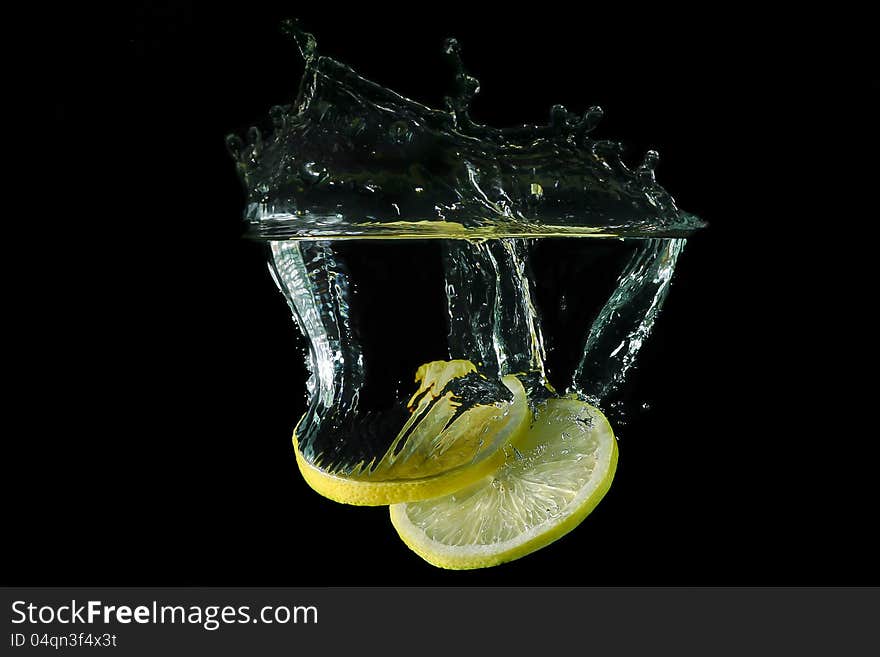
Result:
311,172
650,160
452,47
591,119
560,117
645,170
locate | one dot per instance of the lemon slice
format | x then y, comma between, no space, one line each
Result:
553,477
453,437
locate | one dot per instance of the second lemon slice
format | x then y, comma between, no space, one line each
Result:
554,475
453,437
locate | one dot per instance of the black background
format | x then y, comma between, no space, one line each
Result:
157,373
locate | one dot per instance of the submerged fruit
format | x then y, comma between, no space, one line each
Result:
454,436
553,477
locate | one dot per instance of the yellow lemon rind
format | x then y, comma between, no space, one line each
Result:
363,492
484,556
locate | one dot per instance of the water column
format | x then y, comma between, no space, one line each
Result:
315,283
626,319
493,321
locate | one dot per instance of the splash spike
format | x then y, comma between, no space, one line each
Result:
305,41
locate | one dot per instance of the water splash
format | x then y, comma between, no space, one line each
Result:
626,320
339,433
349,158
492,317
315,283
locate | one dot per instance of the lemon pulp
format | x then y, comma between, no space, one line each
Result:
554,475
438,450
